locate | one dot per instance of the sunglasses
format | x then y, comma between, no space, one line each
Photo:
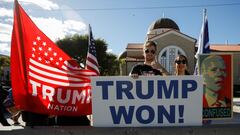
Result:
148,51
181,61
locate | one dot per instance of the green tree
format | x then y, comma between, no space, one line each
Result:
110,65
76,46
4,61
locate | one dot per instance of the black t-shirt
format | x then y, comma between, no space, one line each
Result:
143,69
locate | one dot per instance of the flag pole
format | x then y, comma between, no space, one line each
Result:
204,11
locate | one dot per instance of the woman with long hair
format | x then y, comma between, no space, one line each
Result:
181,64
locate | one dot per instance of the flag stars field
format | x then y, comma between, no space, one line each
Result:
44,44
38,38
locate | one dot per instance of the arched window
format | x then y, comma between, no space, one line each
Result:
167,55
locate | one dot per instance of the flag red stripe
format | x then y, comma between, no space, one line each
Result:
56,76
55,82
56,79
96,72
90,60
93,66
56,71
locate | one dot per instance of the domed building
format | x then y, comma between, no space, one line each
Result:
170,43
163,23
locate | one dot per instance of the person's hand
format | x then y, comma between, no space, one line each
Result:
134,76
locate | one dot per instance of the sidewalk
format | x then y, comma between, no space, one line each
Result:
234,120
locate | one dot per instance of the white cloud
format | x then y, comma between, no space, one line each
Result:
56,29
6,12
9,20
5,28
45,4
52,27
5,37
74,25
109,50
5,32
4,48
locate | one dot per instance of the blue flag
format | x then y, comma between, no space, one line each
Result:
203,41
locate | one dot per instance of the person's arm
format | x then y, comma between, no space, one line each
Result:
134,72
159,67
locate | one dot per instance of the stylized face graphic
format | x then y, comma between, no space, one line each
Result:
214,73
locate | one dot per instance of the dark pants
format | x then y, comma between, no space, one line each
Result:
2,119
3,95
34,119
72,121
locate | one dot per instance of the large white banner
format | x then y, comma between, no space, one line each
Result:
120,101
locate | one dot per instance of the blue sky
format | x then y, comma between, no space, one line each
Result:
119,22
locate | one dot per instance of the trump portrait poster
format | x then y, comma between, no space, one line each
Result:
120,101
216,70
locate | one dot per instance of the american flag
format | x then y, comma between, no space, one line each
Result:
92,63
203,42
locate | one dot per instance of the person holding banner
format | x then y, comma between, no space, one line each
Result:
213,70
150,67
181,64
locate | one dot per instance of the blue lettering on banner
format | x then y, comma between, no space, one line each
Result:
162,112
145,92
181,112
162,89
170,116
124,87
116,116
104,85
139,90
186,89
150,116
